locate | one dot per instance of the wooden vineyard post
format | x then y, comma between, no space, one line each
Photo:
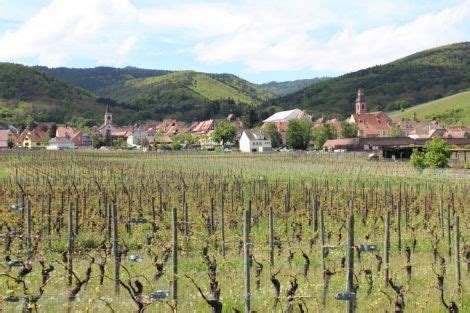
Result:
387,248
457,254
322,238
49,217
246,259
76,215
441,215
117,258
70,245
222,222
350,256
399,225
185,221
21,212
175,258
28,224
449,239
109,221
154,218
129,214
407,211
366,209
212,222
271,237
314,214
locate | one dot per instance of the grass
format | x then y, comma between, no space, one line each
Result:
454,110
3,171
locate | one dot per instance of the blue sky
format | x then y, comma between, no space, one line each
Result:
258,40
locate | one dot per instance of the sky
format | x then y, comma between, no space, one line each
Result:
259,40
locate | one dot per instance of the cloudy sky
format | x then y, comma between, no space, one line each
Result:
260,40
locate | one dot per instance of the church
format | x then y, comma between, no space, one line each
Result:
108,125
369,124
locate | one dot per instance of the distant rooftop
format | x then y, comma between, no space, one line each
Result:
284,116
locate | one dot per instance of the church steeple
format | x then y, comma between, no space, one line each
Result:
361,105
108,116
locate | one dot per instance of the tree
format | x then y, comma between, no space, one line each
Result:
436,155
11,144
52,131
395,131
107,138
417,159
276,138
250,117
224,132
323,133
299,133
348,130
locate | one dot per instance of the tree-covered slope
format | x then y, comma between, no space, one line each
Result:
99,80
452,110
418,78
27,94
288,87
155,94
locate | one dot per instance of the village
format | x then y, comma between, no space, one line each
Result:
368,131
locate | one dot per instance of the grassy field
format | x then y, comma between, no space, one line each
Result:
452,110
149,185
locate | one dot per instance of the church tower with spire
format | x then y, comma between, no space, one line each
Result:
108,116
361,105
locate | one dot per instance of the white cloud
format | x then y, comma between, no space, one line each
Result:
271,48
336,36
64,30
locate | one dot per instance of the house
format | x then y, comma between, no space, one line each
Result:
33,139
369,124
457,132
5,135
254,142
79,138
204,127
60,143
427,130
137,137
281,119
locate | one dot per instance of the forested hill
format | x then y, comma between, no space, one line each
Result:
406,82
100,79
27,94
287,87
155,94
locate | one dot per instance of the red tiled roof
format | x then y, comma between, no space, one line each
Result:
65,131
203,127
372,123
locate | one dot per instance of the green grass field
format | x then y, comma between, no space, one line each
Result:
452,110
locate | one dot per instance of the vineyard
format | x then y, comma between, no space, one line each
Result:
123,231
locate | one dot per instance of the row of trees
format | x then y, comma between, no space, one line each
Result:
301,132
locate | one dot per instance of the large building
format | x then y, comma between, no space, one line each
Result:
369,124
281,119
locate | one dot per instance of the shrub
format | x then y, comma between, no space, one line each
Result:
417,159
436,155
